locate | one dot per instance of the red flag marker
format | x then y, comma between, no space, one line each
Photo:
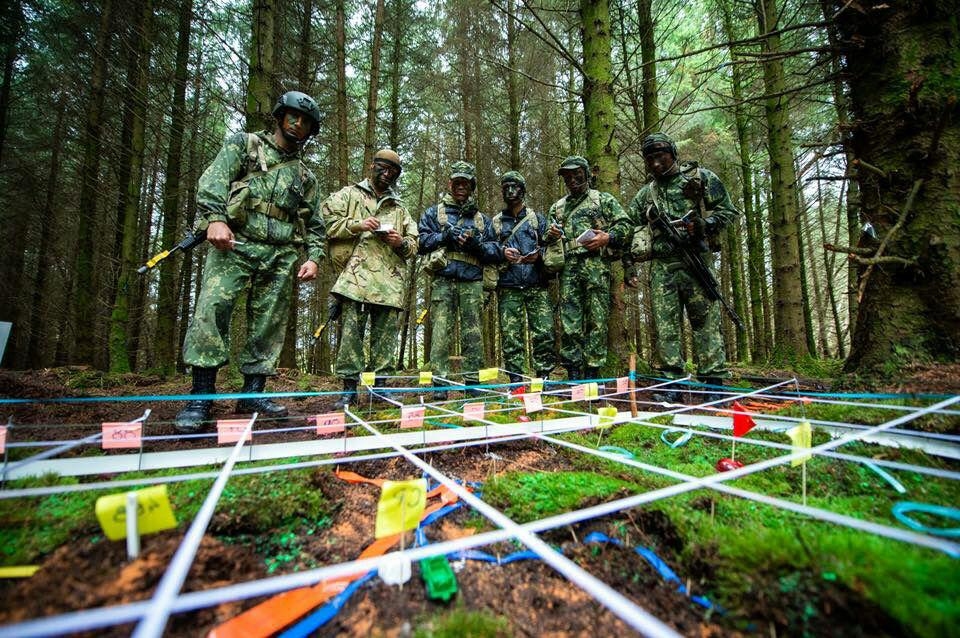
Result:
742,421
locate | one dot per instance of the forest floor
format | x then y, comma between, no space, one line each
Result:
90,572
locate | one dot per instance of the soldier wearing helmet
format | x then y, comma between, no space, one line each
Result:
523,297
589,226
458,242
694,199
260,206
372,237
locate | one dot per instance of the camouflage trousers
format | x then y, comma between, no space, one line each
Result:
674,289
526,312
383,339
584,310
268,270
451,301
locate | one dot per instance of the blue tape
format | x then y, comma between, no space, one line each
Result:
888,478
613,449
901,508
657,563
677,442
325,613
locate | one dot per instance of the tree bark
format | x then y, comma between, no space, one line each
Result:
119,319
370,132
165,341
902,67
791,338
260,98
84,317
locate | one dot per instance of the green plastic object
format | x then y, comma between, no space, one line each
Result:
439,578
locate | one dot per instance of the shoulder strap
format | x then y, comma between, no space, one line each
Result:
478,221
441,214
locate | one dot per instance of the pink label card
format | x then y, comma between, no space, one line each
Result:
473,412
532,402
330,423
3,439
578,392
623,384
412,416
122,435
230,430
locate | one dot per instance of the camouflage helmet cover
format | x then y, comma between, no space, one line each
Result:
299,102
658,142
388,156
464,170
574,162
513,176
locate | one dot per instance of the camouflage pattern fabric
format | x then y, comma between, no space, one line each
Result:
585,280
668,195
281,206
450,301
523,312
384,334
584,311
673,288
269,272
593,209
282,211
374,272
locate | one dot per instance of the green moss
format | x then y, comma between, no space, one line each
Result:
459,622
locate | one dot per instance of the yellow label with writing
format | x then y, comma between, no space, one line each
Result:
154,513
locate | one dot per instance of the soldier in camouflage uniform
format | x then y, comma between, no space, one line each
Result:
523,297
465,235
699,197
259,204
371,238
598,221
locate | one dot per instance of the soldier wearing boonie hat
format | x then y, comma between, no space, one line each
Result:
372,236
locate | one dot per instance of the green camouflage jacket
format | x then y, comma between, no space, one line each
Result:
667,194
592,210
370,270
279,206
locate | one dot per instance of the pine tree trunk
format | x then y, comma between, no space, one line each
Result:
369,136
791,338
902,65
167,291
120,317
84,317
260,98
341,145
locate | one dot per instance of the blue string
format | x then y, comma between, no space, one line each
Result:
900,509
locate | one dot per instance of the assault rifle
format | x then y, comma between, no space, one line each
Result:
690,253
188,242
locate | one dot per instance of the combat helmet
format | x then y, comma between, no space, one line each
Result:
299,102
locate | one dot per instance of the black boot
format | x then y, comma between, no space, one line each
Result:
672,397
591,372
470,391
255,383
574,373
380,383
349,396
190,418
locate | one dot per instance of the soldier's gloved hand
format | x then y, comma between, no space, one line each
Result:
471,240
447,237
696,226
630,276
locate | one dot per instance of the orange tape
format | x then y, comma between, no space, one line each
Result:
274,614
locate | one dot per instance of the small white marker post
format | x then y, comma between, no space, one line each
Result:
133,534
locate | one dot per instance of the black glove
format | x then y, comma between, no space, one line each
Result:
450,235
696,227
472,240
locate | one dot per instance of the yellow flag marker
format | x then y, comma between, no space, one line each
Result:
426,378
487,374
536,385
368,378
592,391
802,437
606,416
18,571
401,506
423,315
154,513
